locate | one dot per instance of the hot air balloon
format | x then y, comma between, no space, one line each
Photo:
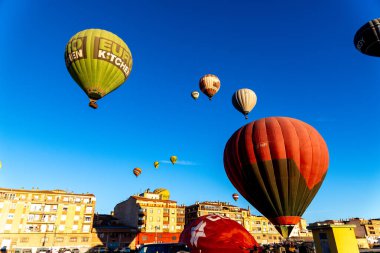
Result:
209,85
173,159
156,164
99,61
278,164
244,100
195,95
1,165
137,171
235,196
215,234
367,38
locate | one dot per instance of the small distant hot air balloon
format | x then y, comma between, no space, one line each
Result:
99,61
173,159
244,100
195,95
137,171
156,164
1,165
367,38
209,85
235,196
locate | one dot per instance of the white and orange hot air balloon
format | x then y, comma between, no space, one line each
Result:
244,100
209,85
195,95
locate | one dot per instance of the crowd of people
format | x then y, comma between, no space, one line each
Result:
287,247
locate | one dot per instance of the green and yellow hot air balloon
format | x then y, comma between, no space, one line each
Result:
156,164
99,61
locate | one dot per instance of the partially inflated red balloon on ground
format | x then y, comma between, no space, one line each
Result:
215,234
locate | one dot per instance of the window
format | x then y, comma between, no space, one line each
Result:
1,204
158,218
13,206
258,222
53,217
77,208
63,217
159,211
73,239
85,239
65,199
10,216
44,239
7,226
43,228
65,208
61,227
150,210
47,208
76,217
36,197
75,227
173,211
264,223
24,239
50,227
77,200
150,218
86,228
49,197
87,218
88,209
86,201
59,239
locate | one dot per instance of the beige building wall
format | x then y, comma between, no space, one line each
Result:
37,218
151,212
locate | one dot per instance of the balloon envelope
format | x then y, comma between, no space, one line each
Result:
137,171
235,196
215,234
278,164
244,100
156,164
367,38
209,85
195,95
99,61
173,159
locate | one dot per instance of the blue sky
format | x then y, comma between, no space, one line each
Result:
298,56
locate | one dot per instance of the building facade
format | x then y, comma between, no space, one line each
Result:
260,227
32,220
154,215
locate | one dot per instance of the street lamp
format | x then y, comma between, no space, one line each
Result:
155,228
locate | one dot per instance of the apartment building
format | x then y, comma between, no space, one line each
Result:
34,219
156,217
260,227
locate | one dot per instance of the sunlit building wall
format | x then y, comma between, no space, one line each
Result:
260,227
32,219
156,217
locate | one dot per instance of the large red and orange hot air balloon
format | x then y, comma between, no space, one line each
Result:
209,85
278,164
